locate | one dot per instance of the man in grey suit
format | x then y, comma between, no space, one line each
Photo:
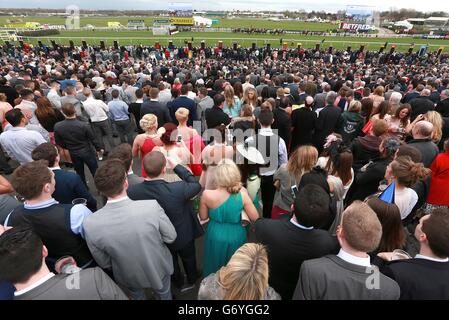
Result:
348,275
129,236
22,261
70,97
123,152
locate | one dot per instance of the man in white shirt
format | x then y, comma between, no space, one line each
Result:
28,106
274,151
348,275
164,93
96,109
53,94
19,142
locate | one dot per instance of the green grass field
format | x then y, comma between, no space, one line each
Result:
223,23
126,37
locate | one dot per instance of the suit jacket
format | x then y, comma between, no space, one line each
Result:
69,186
443,107
283,124
162,113
129,237
187,103
134,179
288,246
93,283
332,278
420,279
420,105
215,117
174,198
303,123
325,124
428,149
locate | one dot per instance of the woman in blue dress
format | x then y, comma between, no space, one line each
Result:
224,206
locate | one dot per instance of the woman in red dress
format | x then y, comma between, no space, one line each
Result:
145,142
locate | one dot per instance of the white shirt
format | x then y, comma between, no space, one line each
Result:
34,285
118,200
364,262
96,109
19,143
420,256
191,95
54,98
405,199
292,220
282,151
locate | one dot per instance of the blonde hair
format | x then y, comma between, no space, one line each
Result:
379,91
182,114
435,118
229,96
302,160
228,176
246,97
2,97
245,277
355,106
148,121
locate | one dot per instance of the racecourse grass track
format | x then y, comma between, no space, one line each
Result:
222,23
145,37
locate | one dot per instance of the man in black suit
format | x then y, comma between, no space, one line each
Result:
215,116
10,93
327,121
69,185
282,121
294,239
183,101
175,199
443,106
303,123
427,275
421,104
153,106
77,137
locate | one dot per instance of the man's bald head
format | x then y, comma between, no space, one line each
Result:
422,130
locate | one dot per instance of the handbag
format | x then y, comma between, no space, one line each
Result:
244,220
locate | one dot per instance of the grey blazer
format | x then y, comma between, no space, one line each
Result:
129,237
332,278
88,284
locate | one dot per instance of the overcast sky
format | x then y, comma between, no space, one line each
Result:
327,5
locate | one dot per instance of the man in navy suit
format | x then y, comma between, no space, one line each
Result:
155,107
175,199
69,185
184,102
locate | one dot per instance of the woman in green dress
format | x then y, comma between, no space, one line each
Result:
224,206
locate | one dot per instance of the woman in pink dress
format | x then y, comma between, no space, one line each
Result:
145,142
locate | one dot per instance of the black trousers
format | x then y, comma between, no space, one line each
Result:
81,158
188,258
267,190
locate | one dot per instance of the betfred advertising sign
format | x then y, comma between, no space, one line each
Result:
355,26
